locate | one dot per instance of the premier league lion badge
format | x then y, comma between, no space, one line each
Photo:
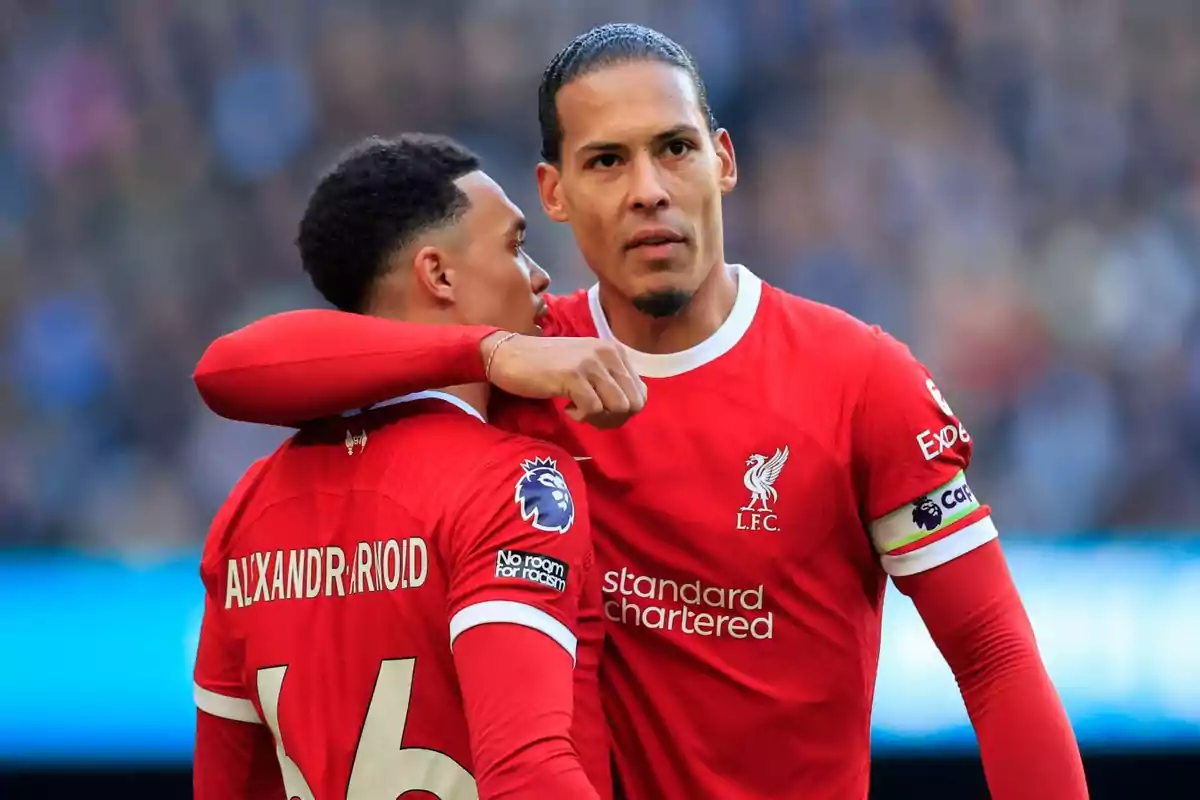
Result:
544,498
926,515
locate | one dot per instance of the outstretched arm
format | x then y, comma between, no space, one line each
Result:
301,365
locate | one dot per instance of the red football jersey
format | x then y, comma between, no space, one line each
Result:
344,566
745,524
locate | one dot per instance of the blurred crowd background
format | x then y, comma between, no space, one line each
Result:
1013,188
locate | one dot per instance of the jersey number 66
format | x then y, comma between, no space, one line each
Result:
383,770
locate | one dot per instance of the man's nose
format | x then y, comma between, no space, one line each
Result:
539,279
646,190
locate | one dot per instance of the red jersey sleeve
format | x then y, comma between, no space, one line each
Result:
975,617
519,544
234,752
911,456
518,697
589,726
303,365
220,688
519,551
234,759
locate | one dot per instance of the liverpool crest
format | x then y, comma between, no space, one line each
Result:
761,474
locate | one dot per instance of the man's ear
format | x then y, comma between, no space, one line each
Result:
727,177
549,181
432,274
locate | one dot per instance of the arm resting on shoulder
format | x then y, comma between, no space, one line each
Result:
301,365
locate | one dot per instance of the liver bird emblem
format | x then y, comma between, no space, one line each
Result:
760,479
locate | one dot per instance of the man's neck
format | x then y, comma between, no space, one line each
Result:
476,395
707,311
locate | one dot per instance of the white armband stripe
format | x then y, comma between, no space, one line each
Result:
221,705
927,516
942,551
515,613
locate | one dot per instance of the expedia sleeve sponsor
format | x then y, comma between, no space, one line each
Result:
522,565
935,441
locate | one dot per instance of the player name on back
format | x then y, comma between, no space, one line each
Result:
383,565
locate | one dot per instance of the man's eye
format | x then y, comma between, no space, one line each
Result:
604,161
680,147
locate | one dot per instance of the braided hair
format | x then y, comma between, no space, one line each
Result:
605,46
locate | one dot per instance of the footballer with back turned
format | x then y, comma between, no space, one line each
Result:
404,599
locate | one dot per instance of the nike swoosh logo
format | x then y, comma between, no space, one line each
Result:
583,458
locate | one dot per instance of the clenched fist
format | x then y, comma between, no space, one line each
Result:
594,374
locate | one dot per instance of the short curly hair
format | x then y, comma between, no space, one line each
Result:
605,46
377,198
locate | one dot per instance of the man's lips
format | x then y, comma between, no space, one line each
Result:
653,237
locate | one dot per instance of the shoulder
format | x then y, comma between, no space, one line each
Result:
524,478
569,315
834,330
838,358
455,457
224,525
827,341
462,438
513,455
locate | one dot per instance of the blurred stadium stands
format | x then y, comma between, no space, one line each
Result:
1013,188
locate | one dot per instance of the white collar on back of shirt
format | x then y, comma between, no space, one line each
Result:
429,395
666,365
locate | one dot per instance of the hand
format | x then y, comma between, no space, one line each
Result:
594,374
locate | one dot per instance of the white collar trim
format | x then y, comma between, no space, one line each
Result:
666,365
453,400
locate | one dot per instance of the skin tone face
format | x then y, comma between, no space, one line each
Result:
476,271
640,182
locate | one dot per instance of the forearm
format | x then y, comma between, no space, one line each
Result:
1024,735
589,726
517,695
301,365
975,616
